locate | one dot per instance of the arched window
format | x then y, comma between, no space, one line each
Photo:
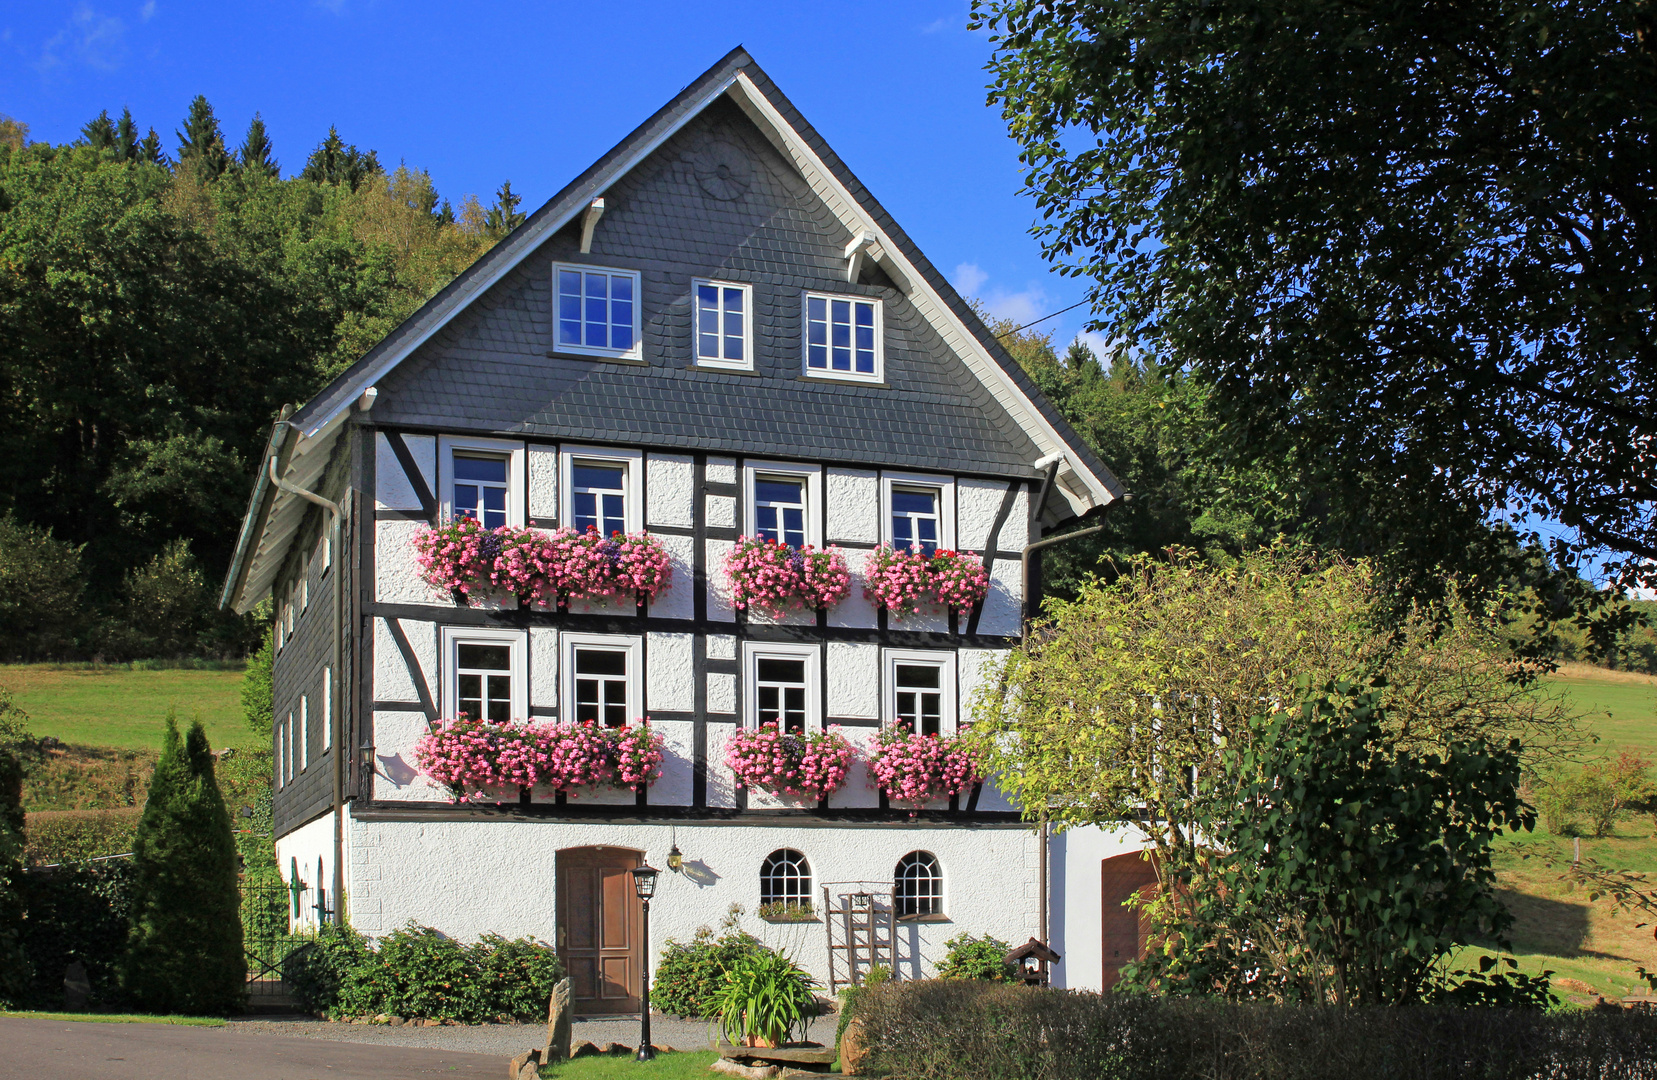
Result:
918,885
785,878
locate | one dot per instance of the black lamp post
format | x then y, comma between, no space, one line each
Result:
644,884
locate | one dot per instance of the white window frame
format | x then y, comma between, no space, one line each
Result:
755,651
943,485
327,708
452,637
632,463
944,660
943,886
558,346
304,732
786,470
305,583
879,374
284,751
808,876
720,364
513,452
631,644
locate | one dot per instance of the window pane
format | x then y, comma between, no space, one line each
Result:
778,491
598,476
621,312
793,527
466,500
784,671
707,322
585,506
621,289
600,662
921,675
491,469
614,515
471,696
913,502
485,657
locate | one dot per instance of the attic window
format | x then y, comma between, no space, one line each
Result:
843,338
598,312
722,339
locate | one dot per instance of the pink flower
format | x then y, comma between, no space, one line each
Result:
789,764
473,758
901,581
777,577
540,567
918,769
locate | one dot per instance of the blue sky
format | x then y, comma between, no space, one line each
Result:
535,92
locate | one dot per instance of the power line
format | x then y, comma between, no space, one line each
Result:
1043,319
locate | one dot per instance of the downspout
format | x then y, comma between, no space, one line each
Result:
1052,463
335,695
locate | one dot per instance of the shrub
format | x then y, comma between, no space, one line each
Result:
418,972
258,694
184,954
63,836
40,591
976,958
765,997
14,965
77,914
946,1029
689,975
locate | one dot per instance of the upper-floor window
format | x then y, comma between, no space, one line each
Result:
779,510
783,686
601,489
480,488
781,502
920,691
598,311
601,679
722,338
919,511
482,479
843,337
485,674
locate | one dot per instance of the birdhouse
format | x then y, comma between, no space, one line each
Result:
1032,959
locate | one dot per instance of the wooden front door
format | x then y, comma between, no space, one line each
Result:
599,924
1122,930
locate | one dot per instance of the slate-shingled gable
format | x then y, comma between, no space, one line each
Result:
490,371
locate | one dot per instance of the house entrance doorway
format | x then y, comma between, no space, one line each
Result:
599,924
1122,930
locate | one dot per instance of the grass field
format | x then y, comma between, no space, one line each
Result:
1618,706
125,709
675,1066
120,1018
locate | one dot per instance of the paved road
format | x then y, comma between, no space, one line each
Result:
56,1050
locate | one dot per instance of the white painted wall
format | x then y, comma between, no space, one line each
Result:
853,507
472,878
670,684
543,482
308,843
397,577
670,486
1075,908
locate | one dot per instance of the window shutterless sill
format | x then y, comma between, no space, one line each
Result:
925,918
724,370
785,922
632,361
843,382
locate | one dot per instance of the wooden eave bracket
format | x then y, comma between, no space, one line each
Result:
863,246
589,222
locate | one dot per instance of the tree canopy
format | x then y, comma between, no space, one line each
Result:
1412,249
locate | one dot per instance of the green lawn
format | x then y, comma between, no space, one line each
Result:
1620,707
119,1018
122,708
675,1066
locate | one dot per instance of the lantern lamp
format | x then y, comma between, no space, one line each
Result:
675,858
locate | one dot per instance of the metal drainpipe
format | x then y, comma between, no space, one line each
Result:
1024,565
335,694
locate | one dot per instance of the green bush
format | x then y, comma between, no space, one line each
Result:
688,977
258,709
64,836
14,964
77,914
184,953
953,1029
417,972
40,591
976,958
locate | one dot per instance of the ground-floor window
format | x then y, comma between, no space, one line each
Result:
918,885
785,878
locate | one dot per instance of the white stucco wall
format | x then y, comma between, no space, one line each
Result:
472,878
308,843
853,674
721,470
397,577
670,487
392,490
719,586
1075,910
853,499
543,481
669,682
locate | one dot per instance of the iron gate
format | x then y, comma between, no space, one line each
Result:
266,901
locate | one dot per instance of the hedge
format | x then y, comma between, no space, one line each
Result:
960,1030
66,836
79,914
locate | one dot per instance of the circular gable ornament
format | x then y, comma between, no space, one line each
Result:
723,170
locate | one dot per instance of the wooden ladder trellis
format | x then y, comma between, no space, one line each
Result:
862,931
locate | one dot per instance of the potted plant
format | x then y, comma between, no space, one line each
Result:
787,763
914,770
903,581
477,760
778,577
764,1000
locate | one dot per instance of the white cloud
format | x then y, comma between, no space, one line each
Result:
969,277
1098,343
98,41
147,12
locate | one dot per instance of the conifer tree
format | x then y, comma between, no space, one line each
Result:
126,137
445,214
201,144
150,150
503,217
255,156
335,161
99,132
184,953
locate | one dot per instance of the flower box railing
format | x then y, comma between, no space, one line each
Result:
479,761
542,567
